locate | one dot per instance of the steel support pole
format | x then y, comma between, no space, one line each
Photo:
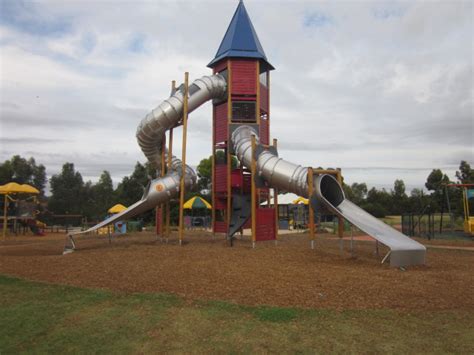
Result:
183,158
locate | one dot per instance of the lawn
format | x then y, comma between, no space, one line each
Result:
38,317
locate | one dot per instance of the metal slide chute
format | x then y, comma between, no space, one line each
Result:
403,250
287,176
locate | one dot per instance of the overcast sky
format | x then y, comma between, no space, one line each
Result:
383,90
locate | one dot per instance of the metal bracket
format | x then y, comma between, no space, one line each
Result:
386,256
69,248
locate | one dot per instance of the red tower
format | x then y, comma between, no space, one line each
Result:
241,59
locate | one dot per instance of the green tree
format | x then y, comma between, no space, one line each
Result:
100,197
204,172
359,192
131,188
377,202
465,174
23,171
436,182
67,191
399,198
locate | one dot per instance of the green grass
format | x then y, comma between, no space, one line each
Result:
41,318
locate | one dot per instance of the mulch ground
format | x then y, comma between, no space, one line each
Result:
289,274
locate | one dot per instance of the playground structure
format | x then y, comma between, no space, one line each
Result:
467,195
20,213
240,92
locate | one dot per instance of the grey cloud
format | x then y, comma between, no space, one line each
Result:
29,140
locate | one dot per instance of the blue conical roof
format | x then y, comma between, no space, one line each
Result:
240,40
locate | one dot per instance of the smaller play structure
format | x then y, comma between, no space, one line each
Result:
19,211
467,198
199,216
119,227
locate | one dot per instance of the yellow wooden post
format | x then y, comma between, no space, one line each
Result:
253,191
275,199
340,219
310,206
5,222
183,158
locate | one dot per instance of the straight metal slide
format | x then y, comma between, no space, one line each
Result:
287,176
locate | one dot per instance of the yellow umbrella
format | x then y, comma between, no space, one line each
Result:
29,189
117,208
196,202
300,200
12,188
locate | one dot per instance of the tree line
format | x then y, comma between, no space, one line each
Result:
70,194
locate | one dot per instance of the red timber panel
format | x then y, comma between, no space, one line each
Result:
221,177
244,77
263,98
220,227
265,224
264,131
220,123
220,203
247,183
220,66
236,178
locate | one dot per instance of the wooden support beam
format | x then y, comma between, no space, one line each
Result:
253,191
183,158
311,211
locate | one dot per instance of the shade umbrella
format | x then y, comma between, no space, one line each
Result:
29,189
13,188
300,200
117,208
196,202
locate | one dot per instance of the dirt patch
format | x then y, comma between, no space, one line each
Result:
289,274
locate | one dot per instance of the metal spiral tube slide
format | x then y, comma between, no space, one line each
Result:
150,133
287,176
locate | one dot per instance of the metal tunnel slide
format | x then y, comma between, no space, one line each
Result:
277,172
